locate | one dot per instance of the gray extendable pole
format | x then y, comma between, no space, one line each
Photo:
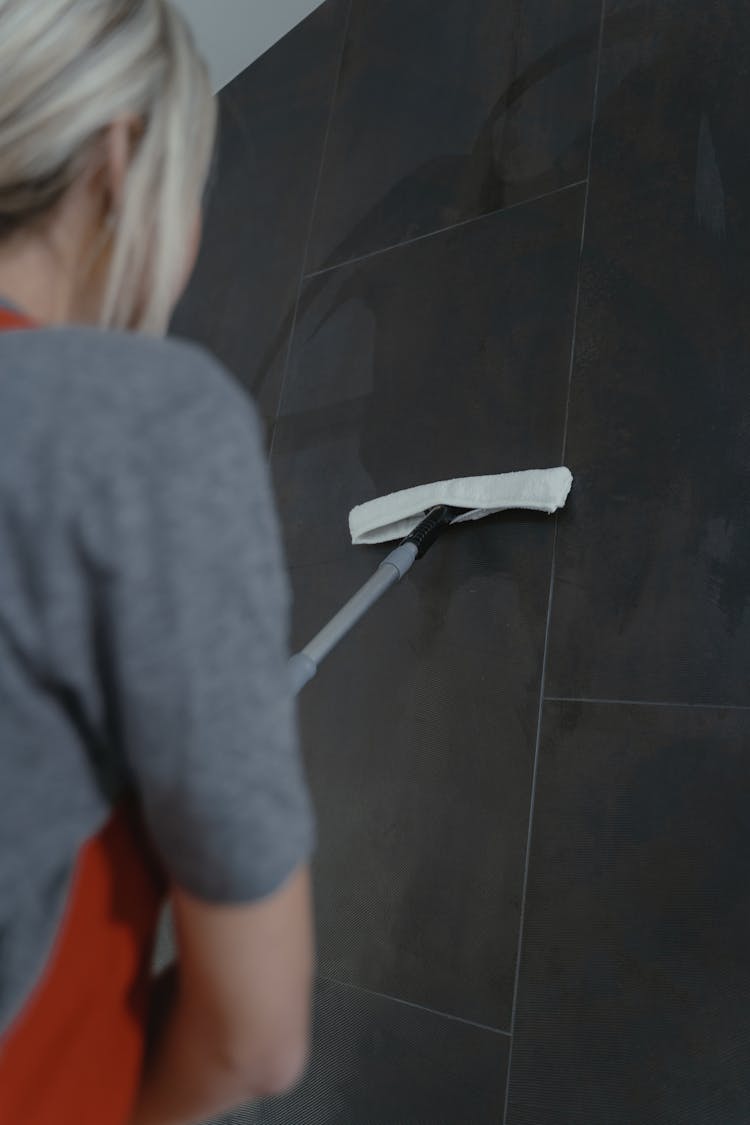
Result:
304,665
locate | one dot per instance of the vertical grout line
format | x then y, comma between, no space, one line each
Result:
522,919
308,239
595,106
553,567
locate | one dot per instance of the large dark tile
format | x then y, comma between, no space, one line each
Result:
418,737
241,300
651,599
634,997
445,358
452,110
378,1062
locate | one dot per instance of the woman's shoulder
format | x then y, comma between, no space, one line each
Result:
129,362
127,369
102,391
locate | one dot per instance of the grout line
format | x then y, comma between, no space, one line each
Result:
443,230
532,803
313,211
542,686
419,1007
507,1079
324,152
594,108
648,703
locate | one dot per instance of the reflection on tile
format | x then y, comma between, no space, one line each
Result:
378,1062
452,110
444,358
652,592
240,303
418,738
633,997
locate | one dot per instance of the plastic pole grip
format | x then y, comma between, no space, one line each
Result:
436,521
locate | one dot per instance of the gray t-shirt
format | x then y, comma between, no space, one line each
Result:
144,610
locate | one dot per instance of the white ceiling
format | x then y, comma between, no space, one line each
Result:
233,33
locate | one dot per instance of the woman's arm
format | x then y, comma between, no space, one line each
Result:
230,1022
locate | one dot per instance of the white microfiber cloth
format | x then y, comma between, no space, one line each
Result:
396,515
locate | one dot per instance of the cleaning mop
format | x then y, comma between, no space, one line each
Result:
420,515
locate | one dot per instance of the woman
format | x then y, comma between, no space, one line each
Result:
147,741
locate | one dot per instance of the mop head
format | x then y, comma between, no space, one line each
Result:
396,515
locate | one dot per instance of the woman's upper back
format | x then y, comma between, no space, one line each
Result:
143,618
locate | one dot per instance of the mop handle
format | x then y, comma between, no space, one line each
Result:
303,665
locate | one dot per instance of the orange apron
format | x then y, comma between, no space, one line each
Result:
73,1055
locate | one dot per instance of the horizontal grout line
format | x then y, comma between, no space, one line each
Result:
419,1007
442,230
649,703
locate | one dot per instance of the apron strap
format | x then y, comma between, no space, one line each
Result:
11,320
74,1054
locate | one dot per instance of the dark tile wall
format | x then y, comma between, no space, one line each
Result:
449,111
652,591
272,126
473,237
407,367
375,1059
635,972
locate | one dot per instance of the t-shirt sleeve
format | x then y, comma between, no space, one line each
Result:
197,614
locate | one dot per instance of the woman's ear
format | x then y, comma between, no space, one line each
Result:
119,142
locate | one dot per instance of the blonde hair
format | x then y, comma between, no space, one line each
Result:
68,68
